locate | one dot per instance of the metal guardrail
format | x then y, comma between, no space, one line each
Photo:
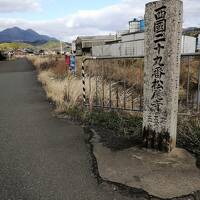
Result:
188,107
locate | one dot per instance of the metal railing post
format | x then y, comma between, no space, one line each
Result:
141,87
124,86
83,77
122,102
198,92
97,100
83,82
103,86
110,93
188,83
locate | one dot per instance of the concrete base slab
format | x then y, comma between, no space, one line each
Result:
164,175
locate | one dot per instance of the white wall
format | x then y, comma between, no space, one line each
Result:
131,37
133,45
198,45
124,49
188,44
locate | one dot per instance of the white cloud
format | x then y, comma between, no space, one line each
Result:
8,6
191,13
103,21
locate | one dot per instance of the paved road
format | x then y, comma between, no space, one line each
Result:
41,157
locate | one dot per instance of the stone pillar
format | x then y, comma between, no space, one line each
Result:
163,33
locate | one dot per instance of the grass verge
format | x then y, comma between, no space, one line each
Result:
118,130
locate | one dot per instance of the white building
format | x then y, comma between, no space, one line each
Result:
84,44
188,44
198,43
132,44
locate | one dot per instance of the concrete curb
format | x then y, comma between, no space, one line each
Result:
123,189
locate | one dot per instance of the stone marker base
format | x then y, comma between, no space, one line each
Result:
164,175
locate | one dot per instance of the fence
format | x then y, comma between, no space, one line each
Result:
117,83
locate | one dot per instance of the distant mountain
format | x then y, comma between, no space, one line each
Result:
16,34
55,45
191,31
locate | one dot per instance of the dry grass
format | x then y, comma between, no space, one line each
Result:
130,70
42,63
125,75
54,88
65,90
189,133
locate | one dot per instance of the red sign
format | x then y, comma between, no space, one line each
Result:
67,60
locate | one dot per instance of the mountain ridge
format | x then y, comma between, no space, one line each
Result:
16,34
192,31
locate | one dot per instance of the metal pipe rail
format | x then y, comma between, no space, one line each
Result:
110,106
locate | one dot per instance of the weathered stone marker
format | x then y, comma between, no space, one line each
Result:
163,31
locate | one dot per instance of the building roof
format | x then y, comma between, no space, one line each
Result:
113,41
98,37
132,33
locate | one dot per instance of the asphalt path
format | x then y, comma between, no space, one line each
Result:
41,157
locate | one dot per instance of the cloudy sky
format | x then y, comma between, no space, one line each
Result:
65,19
